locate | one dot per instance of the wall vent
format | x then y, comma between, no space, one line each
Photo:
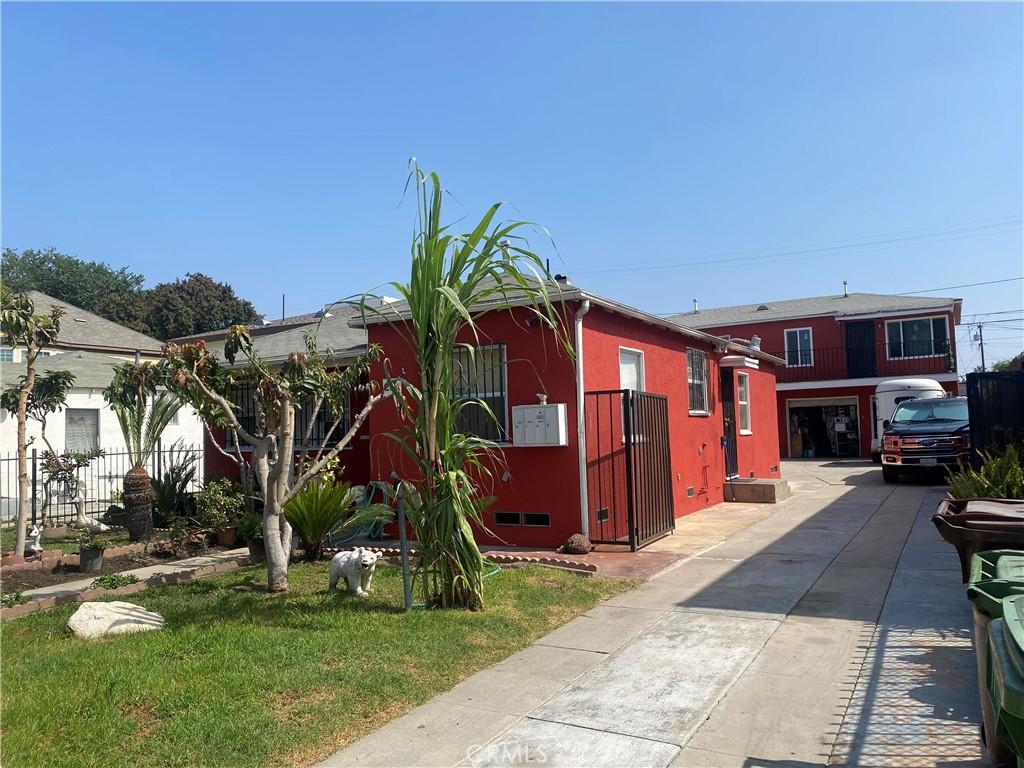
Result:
690,491
751,475
537,519
507,518
775,468
602,515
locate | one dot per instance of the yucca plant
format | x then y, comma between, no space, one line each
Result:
171,497
324,507
999,477
454,277
143,412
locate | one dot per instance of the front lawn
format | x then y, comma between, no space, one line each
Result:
242,678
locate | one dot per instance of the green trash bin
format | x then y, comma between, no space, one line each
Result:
1004,675
995,574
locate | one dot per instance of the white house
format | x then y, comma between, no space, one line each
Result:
90,347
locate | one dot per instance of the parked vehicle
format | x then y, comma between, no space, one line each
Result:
888,395
924,434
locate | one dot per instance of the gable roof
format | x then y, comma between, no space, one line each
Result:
92,370
80,329
336,339
839,306
396,311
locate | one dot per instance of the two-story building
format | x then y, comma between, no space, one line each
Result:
837,349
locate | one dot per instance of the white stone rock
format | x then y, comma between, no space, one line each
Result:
94,620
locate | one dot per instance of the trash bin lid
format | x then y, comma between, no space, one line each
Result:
1013,631
983,564
1010,567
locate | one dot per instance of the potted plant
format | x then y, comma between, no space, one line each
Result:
218,505
90,553
250,528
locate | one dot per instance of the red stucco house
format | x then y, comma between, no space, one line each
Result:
687,390
837,349
645,424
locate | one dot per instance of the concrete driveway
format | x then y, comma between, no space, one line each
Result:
830,629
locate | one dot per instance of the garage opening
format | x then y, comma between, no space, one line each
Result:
825,429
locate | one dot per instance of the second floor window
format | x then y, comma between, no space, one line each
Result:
924,337
480,374
697,380
799,351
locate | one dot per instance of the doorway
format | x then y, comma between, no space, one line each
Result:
729,423
826,429
860,349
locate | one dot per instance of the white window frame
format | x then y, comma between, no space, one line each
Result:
810,348
930,319
642,377
99,425
706,410
743,405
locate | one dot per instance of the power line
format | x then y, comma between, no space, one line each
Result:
809,250
965,285
999,312
976,323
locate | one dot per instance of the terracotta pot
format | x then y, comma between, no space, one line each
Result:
138,504
90,560
257,552
227,537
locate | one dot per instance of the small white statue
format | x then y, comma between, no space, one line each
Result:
357,567
32,545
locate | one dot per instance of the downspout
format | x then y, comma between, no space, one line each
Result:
581,426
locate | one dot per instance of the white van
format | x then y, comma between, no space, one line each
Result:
891,393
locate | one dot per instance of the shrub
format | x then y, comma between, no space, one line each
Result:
323,507
11,599
171,497
90,540
113,581
250,527
1000,477
219,504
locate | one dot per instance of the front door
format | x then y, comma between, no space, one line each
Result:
729,423
860,349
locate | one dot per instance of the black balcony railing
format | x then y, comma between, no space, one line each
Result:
911,358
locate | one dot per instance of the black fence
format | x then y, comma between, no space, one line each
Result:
629,467
996,405
54,495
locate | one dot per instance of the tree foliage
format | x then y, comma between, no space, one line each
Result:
190,305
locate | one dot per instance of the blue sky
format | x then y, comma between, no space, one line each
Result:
266,144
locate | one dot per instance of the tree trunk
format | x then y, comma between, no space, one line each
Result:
138,504
23,498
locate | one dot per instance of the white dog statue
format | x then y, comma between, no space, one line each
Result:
356,567
32,545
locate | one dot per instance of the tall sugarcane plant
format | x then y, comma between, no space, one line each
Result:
143,411
455,278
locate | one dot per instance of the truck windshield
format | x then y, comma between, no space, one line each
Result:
930,410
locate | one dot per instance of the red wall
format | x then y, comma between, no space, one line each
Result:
695,440
541,479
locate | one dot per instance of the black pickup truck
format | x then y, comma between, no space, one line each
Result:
926,434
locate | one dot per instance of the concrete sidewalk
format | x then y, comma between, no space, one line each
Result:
760,651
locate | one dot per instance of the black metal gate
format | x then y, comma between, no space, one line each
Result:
629,467
996,405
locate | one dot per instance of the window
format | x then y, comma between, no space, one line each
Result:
81,430
743,402
247,411
697,380
799,352
924,337
631,369
6,355
478,373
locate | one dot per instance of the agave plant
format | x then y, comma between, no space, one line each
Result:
143,413
171,497
453,275
324,507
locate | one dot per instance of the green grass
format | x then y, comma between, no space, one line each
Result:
69,543
242,678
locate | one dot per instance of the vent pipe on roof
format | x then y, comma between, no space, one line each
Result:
846,293
696,308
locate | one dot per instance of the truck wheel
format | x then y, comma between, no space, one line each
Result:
890,474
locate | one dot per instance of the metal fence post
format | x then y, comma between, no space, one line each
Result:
627,430
35,469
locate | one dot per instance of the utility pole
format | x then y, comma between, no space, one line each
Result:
980,338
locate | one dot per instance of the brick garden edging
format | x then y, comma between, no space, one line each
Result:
52,558
392,554
158,580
